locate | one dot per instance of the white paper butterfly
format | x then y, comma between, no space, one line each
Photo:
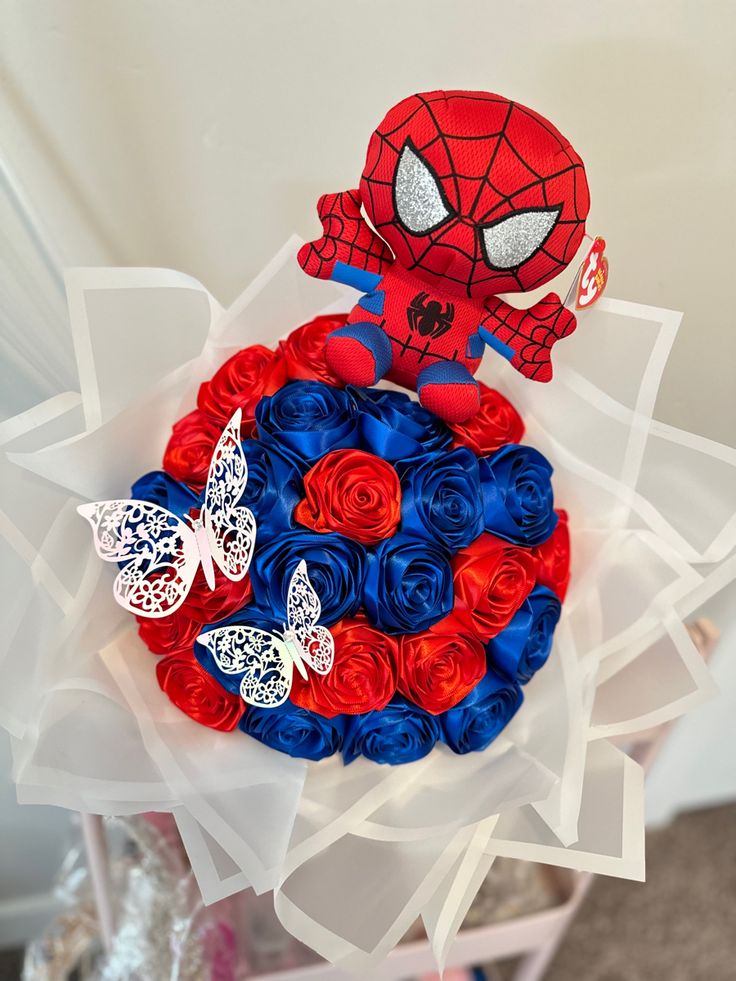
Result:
162,551
267,660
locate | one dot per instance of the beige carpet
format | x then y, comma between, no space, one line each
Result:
678,926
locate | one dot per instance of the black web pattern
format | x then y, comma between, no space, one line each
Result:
347,238
420,247
423,348
530,333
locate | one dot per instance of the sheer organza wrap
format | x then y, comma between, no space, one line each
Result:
354,854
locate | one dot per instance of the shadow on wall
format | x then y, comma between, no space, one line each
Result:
662,186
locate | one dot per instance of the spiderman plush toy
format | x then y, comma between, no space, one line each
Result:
471,195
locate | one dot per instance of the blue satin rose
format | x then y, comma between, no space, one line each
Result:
308,419
476,721
408,586
396,427
523,647
295,731
274,487
518,503
158,487
441,499
399,733
337,568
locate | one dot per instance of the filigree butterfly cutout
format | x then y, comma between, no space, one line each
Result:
162,552
267,660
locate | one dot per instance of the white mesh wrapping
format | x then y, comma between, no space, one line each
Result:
356,854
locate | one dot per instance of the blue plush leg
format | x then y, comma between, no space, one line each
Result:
360,354
449,390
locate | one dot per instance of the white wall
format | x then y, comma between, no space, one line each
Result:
198,135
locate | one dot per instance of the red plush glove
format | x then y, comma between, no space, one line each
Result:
347,238
529,334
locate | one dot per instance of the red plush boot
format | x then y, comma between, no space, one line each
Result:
449,390
360,354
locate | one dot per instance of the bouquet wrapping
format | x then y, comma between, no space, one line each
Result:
355,853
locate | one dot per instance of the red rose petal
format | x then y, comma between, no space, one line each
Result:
495,424
437,670
354,493
363,677
196,693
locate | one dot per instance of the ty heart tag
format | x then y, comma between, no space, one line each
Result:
593,276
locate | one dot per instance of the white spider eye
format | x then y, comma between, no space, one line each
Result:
512,240
420,203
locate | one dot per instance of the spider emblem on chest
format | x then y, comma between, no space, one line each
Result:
429,318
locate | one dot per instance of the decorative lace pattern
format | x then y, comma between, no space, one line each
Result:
159,549
162,552
266,660
231,530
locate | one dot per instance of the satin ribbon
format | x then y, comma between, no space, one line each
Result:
295,731
400,733
517,495
309,419
337,570
520,650
396,427
441,499
158,487
408,585
274,487
479,718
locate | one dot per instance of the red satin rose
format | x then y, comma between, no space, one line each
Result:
209,605
303,350
240,383
495,424
553,558
363,677
354,493
492,579
197,694
437,670
189,450
168,635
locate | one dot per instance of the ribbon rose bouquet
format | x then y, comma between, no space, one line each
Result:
362,611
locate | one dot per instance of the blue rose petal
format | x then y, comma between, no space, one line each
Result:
274,487
520,650
396,427
408,585
295,731
158,487
441,499
399,733
518,502
308,419
474,723
336,567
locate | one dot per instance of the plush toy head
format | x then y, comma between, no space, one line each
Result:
475,194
